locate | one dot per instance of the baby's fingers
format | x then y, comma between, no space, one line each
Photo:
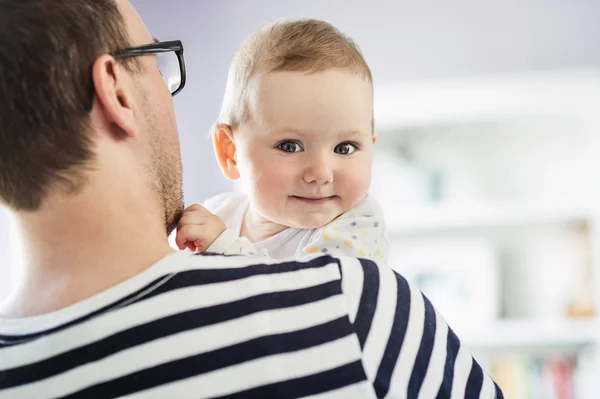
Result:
192,217
188,234
191,246
197,208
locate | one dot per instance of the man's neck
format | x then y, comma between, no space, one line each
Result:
80,248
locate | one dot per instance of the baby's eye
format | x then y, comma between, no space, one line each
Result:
345,148
289,146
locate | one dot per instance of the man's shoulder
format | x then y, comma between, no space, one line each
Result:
213,314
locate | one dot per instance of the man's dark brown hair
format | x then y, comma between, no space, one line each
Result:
47,48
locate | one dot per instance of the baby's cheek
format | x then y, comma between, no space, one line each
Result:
280,176
269,187
356,185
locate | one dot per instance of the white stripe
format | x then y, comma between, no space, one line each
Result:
352,284
190,343
362,390
462,370
383,320
260,372
174,263
435,371
488,390
410,345
167,304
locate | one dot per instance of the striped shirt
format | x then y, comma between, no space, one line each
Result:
230,327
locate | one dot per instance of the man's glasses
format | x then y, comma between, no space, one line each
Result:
169,58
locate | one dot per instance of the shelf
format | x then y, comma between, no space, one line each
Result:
533,334
452,218
509,96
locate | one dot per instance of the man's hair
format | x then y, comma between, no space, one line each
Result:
305,45
47,49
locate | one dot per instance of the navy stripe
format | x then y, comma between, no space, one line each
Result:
164,327
179,280
452,347
12,340
425,350
475,382
209,254
499,394
218,359
368,301
396,338
326,381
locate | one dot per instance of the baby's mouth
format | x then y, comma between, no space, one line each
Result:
314,200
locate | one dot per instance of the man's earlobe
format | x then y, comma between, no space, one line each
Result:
375,136
225,151
112,94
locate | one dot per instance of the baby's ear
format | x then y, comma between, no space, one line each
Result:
375,136
224,146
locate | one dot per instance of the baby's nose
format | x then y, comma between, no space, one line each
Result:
319,171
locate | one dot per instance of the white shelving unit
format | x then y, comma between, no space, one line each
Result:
524,335
437,219
519,162
573,93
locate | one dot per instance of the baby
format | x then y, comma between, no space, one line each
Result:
296,127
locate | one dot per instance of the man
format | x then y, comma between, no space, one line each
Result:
90,166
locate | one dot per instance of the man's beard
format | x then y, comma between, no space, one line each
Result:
171,193
173,213
167,177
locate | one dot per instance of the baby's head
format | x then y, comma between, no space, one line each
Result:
296,125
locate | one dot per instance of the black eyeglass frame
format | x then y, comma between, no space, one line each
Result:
148,49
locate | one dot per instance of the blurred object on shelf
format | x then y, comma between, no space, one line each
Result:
582,302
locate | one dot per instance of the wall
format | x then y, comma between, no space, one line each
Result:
402,40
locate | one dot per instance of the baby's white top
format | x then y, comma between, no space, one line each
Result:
360,232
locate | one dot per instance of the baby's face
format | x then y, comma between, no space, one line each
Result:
305,155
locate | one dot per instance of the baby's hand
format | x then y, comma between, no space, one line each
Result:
198,228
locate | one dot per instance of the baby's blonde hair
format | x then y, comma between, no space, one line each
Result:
305,45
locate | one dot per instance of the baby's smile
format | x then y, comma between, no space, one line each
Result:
315,200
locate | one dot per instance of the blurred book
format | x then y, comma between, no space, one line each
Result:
522,377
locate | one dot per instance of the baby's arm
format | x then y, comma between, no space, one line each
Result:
199,230
359,233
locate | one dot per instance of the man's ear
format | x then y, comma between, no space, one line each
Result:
375,136
112,94
225,151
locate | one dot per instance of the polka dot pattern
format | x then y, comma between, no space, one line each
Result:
359,236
